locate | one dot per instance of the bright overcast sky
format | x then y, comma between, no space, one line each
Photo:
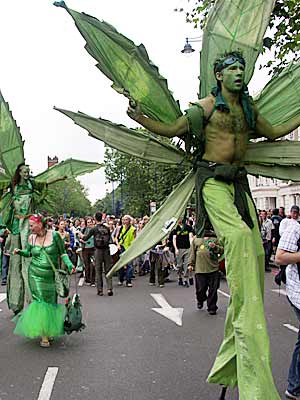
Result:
43,63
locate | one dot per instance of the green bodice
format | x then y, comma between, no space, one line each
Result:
55,251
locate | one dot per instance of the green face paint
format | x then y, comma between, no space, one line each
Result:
233,77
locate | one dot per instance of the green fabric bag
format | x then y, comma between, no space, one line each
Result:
73,320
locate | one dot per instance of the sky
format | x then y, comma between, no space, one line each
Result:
43,64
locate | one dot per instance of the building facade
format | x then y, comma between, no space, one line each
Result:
269,193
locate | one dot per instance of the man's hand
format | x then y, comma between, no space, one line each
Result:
176,252
190,268
134,111
212,245
16,251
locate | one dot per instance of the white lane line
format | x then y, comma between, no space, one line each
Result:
280,291
47,386
223,293
80,283
291,328
2,296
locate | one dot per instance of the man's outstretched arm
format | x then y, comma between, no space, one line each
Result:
264,128
177,128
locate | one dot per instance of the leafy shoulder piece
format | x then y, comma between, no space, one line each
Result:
279,101
11,144
233,25
128,66
128,141
64,170
161,223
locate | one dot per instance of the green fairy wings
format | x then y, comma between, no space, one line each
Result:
12,154
231,25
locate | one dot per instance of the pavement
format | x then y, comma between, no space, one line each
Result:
131,352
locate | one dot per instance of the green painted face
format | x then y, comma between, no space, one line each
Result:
24,172
233,76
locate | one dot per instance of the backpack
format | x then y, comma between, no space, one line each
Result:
102,237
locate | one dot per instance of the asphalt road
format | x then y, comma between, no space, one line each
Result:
130,352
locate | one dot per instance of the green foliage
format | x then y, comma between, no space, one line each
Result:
285,25
68,197
139,183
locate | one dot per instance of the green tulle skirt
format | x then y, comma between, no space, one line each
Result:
41,319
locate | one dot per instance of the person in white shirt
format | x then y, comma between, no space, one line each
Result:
288,254
266,235
286,222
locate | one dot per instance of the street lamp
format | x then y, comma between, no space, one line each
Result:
187,49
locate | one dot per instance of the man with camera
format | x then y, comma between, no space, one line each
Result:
288,253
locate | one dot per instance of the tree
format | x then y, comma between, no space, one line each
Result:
68,197
139,182
284,24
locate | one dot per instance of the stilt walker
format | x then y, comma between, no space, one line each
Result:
22,196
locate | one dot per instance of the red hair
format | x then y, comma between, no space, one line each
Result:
38,218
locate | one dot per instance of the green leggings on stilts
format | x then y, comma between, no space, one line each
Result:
244,357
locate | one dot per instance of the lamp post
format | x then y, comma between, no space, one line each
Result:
113,197
188,49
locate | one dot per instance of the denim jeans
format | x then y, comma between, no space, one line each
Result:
5,265
294,371
126,273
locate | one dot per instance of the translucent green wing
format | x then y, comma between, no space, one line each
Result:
233,24
4,181
279,101
161,223
11,145
127,66
280,159
66,169
128,141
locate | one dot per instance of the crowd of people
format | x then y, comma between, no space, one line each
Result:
272,225
181,251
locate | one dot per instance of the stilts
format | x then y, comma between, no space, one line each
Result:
223,393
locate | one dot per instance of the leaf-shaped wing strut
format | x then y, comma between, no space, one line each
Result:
11,145
161,223
283,172
280,159
279,101
280,152
233,25
135,143
66,169
127,66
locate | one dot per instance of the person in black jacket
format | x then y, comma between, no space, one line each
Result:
102,239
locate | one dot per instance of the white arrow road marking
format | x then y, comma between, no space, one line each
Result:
280,291
2,296
291,328
47,386
223,293
173,314
80,283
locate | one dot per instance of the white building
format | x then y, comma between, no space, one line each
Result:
269,193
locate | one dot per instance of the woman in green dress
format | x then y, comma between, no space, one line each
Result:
43,317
